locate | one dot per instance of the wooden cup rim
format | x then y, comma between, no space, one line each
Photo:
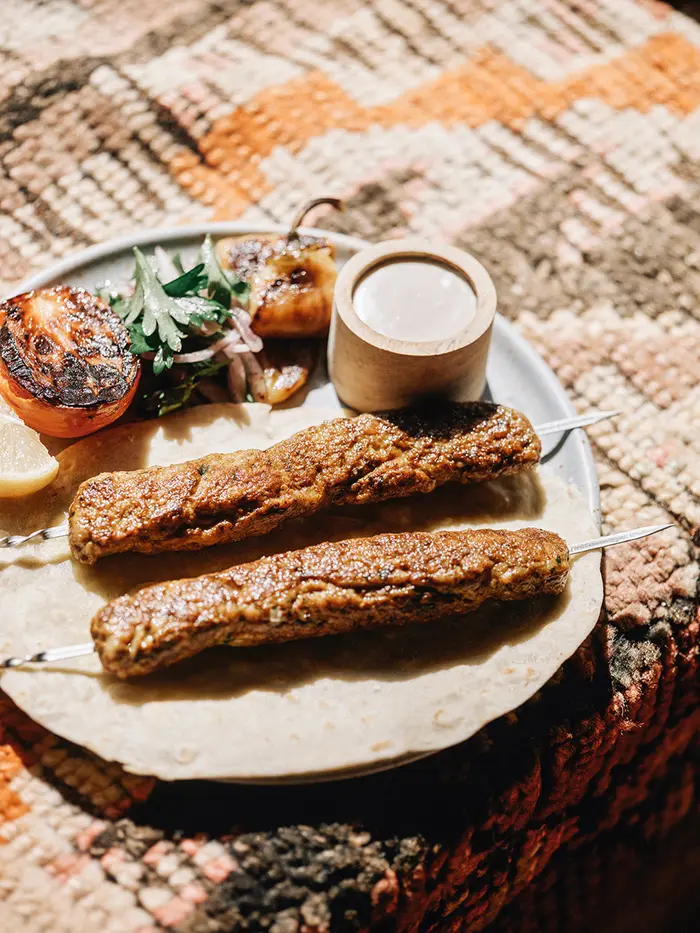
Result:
356,268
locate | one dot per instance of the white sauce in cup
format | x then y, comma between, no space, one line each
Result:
419,300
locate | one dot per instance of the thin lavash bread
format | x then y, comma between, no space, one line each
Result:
331,706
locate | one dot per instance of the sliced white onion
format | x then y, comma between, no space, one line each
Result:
231,343
241,319
256,377
236,379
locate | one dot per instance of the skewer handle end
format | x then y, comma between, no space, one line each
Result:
43,534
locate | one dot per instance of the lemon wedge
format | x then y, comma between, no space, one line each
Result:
25,464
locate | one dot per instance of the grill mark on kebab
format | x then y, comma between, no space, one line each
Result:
226,497
329,588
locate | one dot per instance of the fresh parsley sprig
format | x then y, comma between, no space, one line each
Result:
161,316
220,286
187,283
153,317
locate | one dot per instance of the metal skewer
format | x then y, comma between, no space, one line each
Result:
49,656
621,537
551,427
306,209
577,421
60,531
52,655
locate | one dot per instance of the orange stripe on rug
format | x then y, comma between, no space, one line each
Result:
11,804
664,70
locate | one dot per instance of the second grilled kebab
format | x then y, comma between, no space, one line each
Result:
330,588
226,497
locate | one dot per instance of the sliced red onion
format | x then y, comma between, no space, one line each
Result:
231,350
228,340
242,321
236,379
256,377
197,356
231,343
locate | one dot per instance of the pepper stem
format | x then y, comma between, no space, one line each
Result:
307,208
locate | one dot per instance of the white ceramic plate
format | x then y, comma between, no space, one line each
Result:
516,376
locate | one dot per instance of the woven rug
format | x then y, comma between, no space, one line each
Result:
559,141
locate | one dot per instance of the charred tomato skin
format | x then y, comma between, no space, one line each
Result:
65,363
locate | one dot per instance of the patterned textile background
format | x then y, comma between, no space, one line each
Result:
559,140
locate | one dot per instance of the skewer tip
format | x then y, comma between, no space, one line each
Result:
621,537
50,655
563,425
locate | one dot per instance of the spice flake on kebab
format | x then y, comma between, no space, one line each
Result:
346,461
291,278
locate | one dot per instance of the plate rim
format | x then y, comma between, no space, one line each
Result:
153,236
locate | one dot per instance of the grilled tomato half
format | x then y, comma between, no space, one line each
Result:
291,282
65,365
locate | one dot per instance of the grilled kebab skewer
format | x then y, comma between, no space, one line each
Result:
390,579
369,459
330,588
346,461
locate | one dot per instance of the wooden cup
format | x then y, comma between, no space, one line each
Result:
371,372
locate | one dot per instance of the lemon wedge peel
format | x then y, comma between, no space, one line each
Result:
25,464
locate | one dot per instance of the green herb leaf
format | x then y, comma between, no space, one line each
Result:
187,283
163,359
242,290
220,286
119,305
112,298
104,294
204,309
159,312
140,343
173,397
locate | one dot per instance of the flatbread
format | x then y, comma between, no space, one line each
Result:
305,709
